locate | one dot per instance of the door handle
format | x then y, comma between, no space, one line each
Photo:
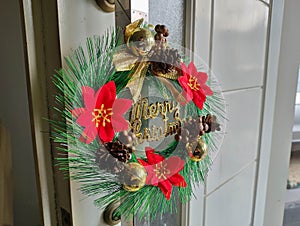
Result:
106,5
108,214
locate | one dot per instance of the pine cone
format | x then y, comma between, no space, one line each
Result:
119,150
165,59
208,124
197,126
188,132
106,161
213,126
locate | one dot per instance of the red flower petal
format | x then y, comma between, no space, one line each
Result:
86,118
197,95
89,134
177,180
77,112
121,105
174,164
153,178
199,99
142,162
106,134
153,158
201,77
183,80
166,188
104,99
88,97
192,69
184,68
207,90
107,95
119,123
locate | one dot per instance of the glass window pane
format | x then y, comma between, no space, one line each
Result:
171,14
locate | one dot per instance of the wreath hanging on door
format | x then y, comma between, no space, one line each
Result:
139,122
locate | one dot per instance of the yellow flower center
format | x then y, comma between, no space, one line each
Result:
103,115
193,83
161,170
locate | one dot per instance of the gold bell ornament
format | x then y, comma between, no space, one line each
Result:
135,177
141,41
197,151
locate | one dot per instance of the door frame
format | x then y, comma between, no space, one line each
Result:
278,112
40,28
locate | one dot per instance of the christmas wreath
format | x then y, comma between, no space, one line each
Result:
139,121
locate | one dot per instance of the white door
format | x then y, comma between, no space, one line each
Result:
231,36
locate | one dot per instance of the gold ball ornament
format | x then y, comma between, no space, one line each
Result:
135,177
141,41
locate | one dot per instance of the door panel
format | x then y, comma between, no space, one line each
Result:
231,205
196,208
233,35
83,209
240,144
239,43
202,29
78,20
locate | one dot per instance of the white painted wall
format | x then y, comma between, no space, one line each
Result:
79,19
14,111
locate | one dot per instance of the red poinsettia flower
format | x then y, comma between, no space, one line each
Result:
163,172
194,85
102,113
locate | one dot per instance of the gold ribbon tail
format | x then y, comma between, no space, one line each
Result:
136,82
